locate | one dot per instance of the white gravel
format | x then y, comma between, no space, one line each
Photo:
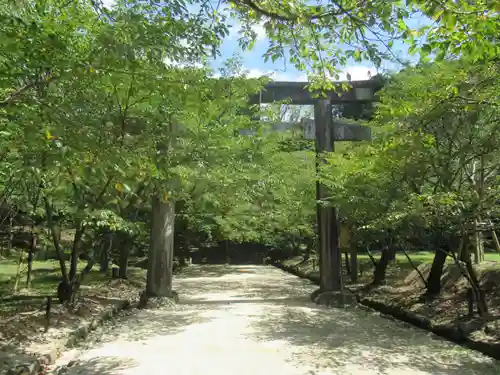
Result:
242,320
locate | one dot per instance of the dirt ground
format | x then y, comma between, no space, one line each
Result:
23,319
451,307
405,289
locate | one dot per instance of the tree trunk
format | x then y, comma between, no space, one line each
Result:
125,250
63,290
307,253
160,257
414,267
18,272
381,267
477,293
31,255
106,244
354,264
10,236
370,255
434,279
75,252
31,252
227,251
477,243
67,292
495,240
347,264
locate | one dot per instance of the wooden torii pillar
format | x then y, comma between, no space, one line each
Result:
326,132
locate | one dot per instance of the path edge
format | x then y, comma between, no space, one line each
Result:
446,331
74,337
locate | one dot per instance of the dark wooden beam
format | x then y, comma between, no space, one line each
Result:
359,91
343,131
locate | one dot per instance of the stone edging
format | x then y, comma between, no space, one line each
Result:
447,331
75,337
296,272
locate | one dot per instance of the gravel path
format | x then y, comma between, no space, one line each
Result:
242,320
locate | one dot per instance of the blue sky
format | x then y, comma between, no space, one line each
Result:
253,60
280,70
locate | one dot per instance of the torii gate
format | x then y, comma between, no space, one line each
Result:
326,133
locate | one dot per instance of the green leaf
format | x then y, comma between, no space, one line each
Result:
426,49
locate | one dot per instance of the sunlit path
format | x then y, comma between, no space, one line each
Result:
238,320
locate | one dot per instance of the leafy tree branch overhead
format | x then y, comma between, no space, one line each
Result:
322,37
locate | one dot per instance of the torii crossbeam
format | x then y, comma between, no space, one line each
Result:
359,91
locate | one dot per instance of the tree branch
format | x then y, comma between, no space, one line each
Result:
14,95
292,17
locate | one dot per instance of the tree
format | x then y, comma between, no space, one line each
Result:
82,99
429,174
455,130
309,35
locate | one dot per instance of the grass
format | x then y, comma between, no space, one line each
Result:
47,275
416,257
22,317
398,269
8,267
428,256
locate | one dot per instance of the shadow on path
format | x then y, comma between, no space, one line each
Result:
258,301
212,270
138,325
101,366
355,337
238,317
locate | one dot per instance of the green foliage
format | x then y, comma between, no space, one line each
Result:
321,38
257,197
433,165
109,220
96,117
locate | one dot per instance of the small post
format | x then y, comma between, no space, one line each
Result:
354,264
48,309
